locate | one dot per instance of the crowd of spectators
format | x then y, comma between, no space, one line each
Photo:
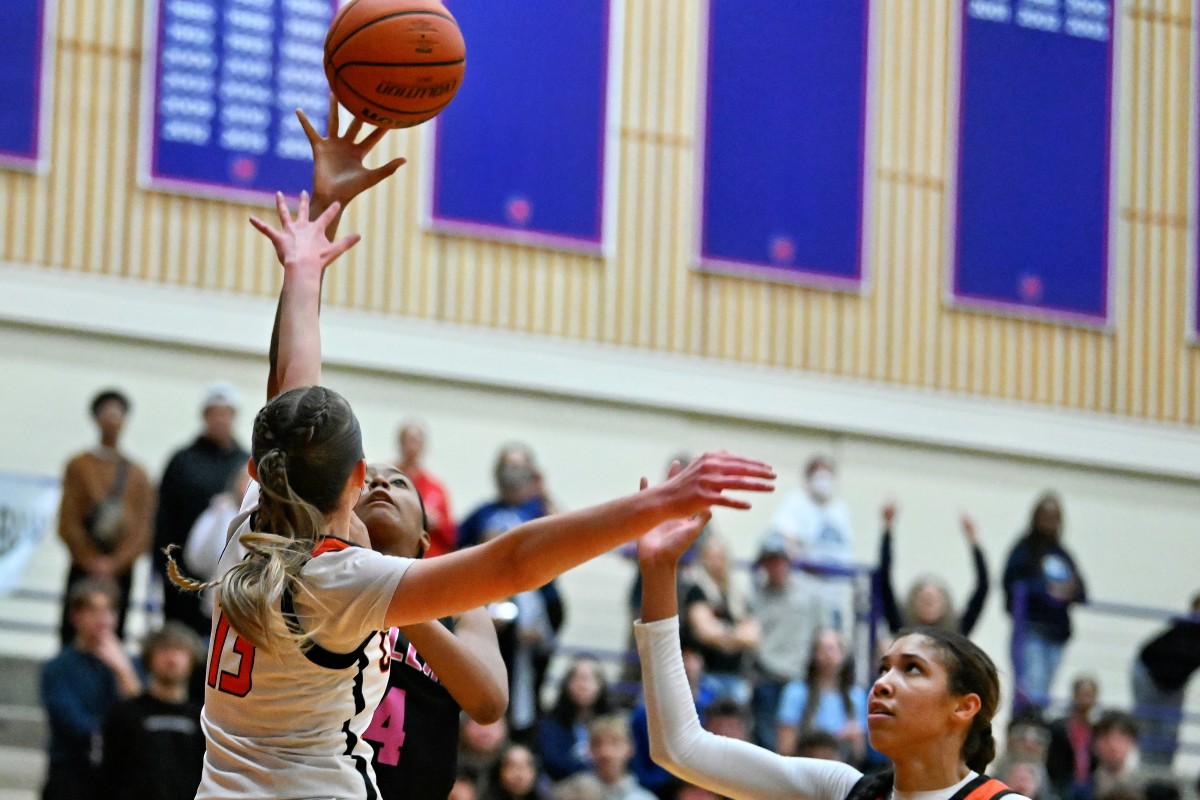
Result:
769,660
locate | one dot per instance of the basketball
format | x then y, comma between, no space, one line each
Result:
394,63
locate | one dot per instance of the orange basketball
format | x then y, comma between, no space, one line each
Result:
394,63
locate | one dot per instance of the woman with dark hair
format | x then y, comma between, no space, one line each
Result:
930,711
928,601
1041,583
826,700
299,654
562,734
515,776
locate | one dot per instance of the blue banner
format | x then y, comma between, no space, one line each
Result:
223,79
1032,205
520,151
785,139
24,37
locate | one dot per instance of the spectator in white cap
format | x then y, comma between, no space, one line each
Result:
193,476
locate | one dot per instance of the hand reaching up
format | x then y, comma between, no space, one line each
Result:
339,174
301,242
704,482
691,492
969,530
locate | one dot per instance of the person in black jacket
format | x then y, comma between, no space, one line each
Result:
1161,672
152,745
1041,583
929,601
193,476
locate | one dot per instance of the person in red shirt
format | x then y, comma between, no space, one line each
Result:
442,530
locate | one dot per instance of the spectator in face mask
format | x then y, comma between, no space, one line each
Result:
816,526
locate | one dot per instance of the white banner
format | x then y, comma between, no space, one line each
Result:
28,506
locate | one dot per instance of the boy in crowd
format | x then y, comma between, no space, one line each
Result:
81,685
153,747
611,746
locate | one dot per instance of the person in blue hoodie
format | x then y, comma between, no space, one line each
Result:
1041,583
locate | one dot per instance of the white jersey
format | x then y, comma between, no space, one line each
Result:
289,724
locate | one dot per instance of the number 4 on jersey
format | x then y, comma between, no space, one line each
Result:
387,727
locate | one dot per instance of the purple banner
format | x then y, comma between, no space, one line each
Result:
785,140
26,40
520,152
221,85
1032,202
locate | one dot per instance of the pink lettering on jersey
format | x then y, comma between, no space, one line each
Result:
412,659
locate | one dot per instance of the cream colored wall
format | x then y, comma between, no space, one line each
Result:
1133,533
86,214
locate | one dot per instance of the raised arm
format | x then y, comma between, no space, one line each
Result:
678,743
530,555
467,662
339,176
887,592
304,251
982,583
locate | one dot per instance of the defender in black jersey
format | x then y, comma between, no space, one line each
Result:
437,668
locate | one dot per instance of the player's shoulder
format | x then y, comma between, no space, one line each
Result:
339,560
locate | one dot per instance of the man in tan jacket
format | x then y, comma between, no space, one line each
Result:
107,505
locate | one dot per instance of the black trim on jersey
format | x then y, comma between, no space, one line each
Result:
313,651
980,780
880,786
360,704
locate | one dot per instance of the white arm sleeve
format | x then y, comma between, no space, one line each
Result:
729,767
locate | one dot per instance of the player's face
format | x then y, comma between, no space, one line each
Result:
910,708
391,510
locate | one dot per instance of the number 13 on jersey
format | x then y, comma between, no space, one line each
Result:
239,681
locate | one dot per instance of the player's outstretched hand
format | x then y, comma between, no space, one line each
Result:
338,170
667,543
704,482
301,242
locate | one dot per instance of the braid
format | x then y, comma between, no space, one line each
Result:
179,578
306,444
979,749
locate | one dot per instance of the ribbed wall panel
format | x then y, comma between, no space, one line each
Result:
87,214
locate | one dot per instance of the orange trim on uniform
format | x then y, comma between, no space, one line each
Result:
332,544
987,790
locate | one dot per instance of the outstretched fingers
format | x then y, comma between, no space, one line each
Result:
714,474
729,464
372,139
340,246
309,130
281,208
335,123
266,230
328,215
